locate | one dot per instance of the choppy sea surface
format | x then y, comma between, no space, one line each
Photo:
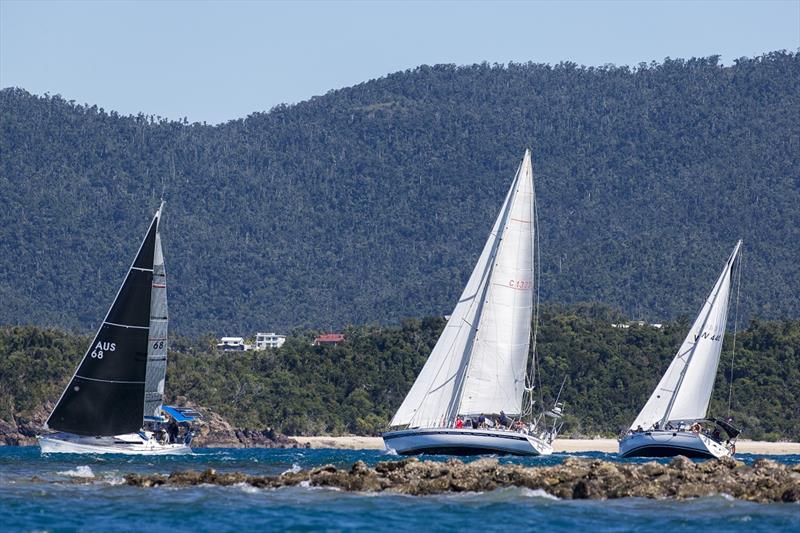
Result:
39,493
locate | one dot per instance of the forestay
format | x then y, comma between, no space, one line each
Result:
685,389
478,364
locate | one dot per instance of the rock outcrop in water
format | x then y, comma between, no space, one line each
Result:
216,432
765,481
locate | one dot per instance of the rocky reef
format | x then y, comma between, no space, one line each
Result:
765,481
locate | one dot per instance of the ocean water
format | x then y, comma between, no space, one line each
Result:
41,494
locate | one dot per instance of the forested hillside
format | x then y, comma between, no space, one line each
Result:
356,386
371,203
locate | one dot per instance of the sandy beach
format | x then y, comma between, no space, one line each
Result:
560,445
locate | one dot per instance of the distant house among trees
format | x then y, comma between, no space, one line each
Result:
641,323
328,338
232,344
269,340
263,341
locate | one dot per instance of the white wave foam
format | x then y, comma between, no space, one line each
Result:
82,471
390,451
248,489
537,493
293,470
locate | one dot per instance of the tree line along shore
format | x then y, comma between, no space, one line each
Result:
353,388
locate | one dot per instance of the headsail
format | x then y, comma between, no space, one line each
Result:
157,341
685,389
436,396
105,395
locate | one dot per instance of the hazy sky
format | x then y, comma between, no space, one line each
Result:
216,61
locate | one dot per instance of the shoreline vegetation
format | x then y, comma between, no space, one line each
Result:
255,398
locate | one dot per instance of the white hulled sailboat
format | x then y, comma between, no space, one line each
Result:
671,421
117,390
478,369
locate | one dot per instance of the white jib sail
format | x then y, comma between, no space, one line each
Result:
495,379
157,342
697,360
431,398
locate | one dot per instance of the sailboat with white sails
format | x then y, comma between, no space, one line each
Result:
117,390
671,422
476,377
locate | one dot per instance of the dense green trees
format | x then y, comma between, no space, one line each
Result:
371,203
356,386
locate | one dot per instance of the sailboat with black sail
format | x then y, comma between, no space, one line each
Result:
469,397
672,421
114,401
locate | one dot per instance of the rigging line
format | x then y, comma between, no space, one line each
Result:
735,328
538,257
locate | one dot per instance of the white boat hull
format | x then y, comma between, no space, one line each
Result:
451,441
132,444
661,443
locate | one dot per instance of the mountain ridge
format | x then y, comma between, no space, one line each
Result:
371,203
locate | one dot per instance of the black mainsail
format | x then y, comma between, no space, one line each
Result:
106,396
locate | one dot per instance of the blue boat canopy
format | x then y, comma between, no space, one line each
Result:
181,414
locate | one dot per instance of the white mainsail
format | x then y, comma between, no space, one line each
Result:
157,338
478,364
685,389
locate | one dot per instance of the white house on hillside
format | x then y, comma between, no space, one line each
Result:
232,344
269,340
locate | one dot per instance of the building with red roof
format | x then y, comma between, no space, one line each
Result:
329,338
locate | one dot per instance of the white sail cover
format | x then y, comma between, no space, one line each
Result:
433,399
688,382
157,339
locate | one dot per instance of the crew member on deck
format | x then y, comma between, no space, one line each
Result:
504,421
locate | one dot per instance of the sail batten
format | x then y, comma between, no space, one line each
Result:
483,337
126,325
